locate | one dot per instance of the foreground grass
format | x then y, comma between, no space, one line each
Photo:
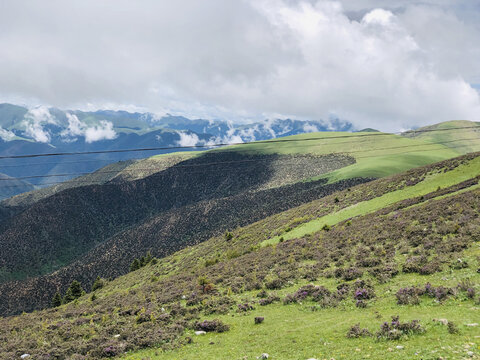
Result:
297,332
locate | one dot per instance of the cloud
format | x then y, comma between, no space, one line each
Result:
6,135
103,131
187,139
376,63
34,122
310,128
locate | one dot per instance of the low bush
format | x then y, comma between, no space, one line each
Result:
270,299
395,330
211,326
357,332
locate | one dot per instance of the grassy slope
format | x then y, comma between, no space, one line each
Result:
295,331
428,185
462,136
377,154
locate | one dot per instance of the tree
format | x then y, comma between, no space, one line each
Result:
73,292
135,265
57,300
148,258
98,283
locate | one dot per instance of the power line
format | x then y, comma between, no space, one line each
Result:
238,162
225,144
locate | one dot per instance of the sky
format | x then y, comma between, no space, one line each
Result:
365,61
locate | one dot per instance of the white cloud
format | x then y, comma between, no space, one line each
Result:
187,139
103,131
6,135
34,122
310,128
377,63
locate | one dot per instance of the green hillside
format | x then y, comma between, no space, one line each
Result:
376,154
461,136
406,245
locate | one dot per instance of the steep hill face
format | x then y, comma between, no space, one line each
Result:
58,229
409,248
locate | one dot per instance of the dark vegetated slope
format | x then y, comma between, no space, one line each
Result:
163,235
58,229
120,171
148,309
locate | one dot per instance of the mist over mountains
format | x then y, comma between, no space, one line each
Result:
44,130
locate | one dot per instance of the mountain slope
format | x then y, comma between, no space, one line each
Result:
45,231
462,136
365,265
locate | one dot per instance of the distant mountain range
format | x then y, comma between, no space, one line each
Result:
44,130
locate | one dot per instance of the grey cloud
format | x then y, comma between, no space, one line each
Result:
246,59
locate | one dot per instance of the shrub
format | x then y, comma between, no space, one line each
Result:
356,332
210,262
413,264
352,274
408,296
98,283
467,286
268,300
245,307
135,265
259,320
205,284
395,330
440,293
275,284
221,305
57,300
262,294
211,325
430,268
363,294
228,236
318,294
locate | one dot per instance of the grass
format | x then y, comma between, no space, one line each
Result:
296,332
429,184
376,154
462,136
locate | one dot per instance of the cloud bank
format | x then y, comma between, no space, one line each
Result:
372,62
103,131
